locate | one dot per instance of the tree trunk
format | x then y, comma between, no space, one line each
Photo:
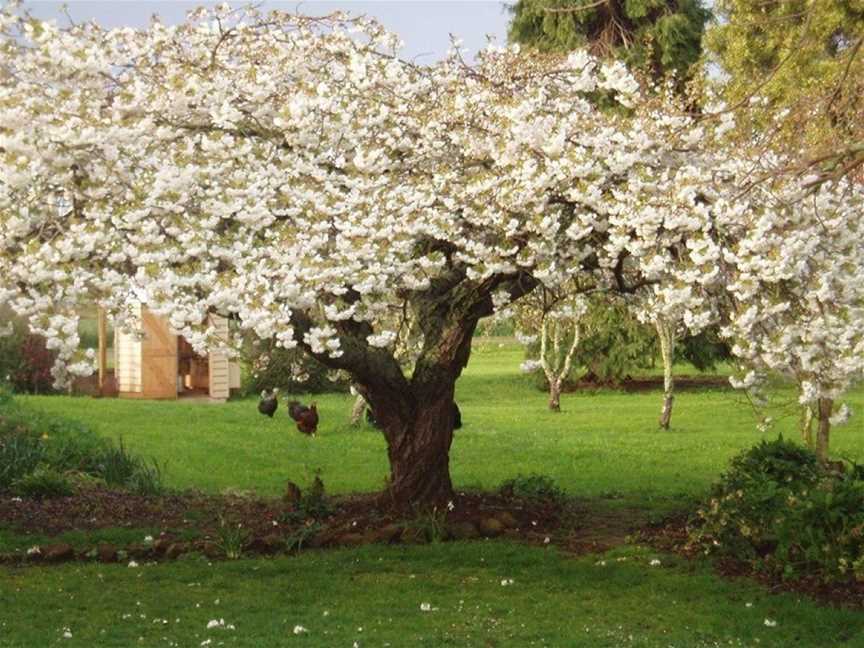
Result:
824,430
420,456
357,409
807,425
667,351
555,395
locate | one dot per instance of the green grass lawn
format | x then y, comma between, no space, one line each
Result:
373,596
603,445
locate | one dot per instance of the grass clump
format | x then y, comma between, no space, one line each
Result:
534,487
43,482
118,467
231,538
780,510
43,454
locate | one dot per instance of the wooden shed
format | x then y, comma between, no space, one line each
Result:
158,364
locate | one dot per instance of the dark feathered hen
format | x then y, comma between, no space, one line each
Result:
268,404
306,417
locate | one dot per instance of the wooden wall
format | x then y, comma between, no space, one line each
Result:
158,358
220,382
127,362
146,366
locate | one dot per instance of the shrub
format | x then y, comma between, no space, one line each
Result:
147,478
779,510
116,466
20,453
537,487
25,361
30,439
44,481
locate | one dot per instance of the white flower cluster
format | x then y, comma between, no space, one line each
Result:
310,184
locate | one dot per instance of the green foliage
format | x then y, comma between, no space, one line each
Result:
313,503
429,524
118,467
31,439
44,481
658,37
534,486
780,510
802,57
704,350
291,370
231,538
380,588
613,344
25,362
301,535
20,453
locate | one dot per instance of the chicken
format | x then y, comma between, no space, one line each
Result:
268,404
306,417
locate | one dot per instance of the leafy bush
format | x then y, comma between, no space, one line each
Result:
537,487
29,439
311,503
44,481
147,478
20,453
779,510
25,360
116,466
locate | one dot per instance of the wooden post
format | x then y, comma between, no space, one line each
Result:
103,349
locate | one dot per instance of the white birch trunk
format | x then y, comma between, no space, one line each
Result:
667,352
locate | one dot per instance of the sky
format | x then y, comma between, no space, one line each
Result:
425,26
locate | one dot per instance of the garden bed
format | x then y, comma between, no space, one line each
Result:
221,526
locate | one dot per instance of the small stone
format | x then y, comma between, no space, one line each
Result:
414,535
350,540
136,550
106,553
210,549
58,552
388,534
463,531
176,549
160,546
491,527
506,518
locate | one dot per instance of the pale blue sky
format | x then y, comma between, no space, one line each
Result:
424,25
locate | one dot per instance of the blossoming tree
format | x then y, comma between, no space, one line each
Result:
557,318
294,174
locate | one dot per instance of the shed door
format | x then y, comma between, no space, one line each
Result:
158,358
